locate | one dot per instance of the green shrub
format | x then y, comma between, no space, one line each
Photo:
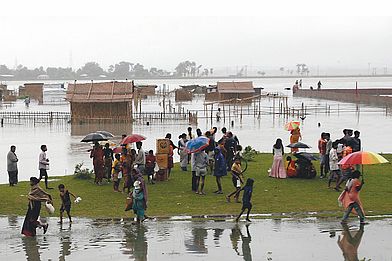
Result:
249,153
82,173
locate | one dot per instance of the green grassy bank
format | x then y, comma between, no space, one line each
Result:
174,197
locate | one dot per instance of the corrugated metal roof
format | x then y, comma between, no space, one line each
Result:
100,92
235,87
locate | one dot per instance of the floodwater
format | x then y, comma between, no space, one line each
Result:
65,149
270,239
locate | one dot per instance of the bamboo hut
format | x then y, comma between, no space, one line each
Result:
230,90
104,102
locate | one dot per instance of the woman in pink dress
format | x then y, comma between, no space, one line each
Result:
278,170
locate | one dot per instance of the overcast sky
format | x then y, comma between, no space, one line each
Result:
213,41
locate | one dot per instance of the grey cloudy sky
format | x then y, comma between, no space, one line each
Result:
164,41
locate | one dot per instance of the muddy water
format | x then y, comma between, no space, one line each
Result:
65,149
287,239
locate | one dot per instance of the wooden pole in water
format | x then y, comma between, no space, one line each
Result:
212,111
224,113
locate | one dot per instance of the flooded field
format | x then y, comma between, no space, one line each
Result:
281,239
65,149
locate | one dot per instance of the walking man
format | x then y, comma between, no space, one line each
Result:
12,166
43,165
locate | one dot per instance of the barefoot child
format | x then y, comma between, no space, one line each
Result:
246,199
65,202
237,179
150,165
116,170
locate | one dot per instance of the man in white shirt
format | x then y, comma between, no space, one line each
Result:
43,165
140,159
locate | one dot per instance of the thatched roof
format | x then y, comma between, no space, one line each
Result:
100,92
235,87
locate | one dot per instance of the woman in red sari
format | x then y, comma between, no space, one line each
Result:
97,154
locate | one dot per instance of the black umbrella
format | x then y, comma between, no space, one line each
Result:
305,155
94,137
299,145
105,133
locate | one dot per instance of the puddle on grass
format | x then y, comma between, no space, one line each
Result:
265,239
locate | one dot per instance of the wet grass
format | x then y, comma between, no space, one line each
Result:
174,197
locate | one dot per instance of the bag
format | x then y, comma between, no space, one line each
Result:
128,203
77,200
47,167
238,183
156,168
120,175
49,207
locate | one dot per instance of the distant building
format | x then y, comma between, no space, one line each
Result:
103,102
230,90
33,90
145,90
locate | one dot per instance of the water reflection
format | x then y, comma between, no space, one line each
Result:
196,244
349,242
235,236
187,240
135,245
65,242
31,248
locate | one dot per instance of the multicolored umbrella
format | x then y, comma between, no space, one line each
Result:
363,158
197,144
132,138
292,125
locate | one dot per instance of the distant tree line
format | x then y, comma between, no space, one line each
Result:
92,70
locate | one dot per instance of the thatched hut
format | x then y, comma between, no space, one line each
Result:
230,90
104,102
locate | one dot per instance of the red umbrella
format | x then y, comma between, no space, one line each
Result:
132,138
118,149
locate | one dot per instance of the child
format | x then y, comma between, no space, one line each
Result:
138,201
246,199
237,179
291,169
350,197
65,202
150,165
116,172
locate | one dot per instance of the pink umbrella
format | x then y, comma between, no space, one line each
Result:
133,138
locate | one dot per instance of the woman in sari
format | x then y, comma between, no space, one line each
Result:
36,196
97,155
127,165
350,198
278,170
181,151
295,137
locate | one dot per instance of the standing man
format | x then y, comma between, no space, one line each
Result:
319,85
108,159
140,159
322,146
12,166
356,141
43,165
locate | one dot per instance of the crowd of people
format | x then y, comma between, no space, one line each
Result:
221,156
